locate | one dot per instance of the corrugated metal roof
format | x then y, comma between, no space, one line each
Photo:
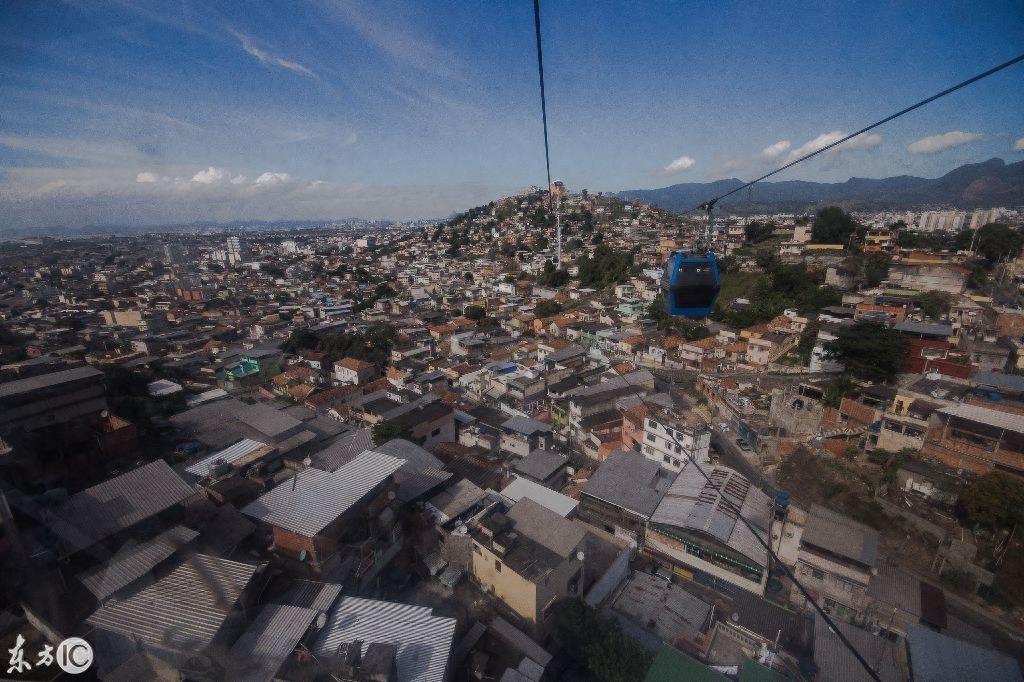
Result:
556,502
713,507
131,563
312,499
343,449
311,594
837,664
841,535
422,639
629,481
260,651
184,609
230,454
1005,382
937,658
116,504
12,388
925,328
984,415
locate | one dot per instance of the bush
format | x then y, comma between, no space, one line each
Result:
598,643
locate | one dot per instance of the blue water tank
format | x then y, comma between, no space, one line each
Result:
782,500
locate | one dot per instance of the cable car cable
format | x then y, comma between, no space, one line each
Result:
767,546
543,99
918,105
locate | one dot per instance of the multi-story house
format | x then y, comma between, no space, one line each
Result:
835,561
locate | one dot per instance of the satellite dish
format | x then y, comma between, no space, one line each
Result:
302,555
391,494
308,461
735,617
321,620
579,556
105,413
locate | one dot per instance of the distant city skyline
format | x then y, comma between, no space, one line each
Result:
139,113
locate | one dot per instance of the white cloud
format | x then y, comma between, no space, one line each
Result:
210,176
774,151
825,139
271,179
393,37
267,58
81,196
238,180
1019,145
937,143
683,163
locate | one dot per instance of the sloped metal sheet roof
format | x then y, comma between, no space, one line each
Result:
343,450
272,637
311,594
841,535
184,609
422,639
131,563
312,499
714,507
936,657
555,501
985,415
230,454
118,503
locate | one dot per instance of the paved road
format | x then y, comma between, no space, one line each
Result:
732,456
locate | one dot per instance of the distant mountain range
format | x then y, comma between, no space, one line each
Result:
979,185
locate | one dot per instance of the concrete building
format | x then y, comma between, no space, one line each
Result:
672,440
977,439
529,558
696,530
351,371
836,559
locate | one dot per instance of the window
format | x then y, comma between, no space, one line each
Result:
497,566
667,459
819,575
651,438
435,433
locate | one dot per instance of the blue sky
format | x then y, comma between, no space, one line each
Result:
142,112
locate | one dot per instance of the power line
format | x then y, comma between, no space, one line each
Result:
767,546
543,99
947,91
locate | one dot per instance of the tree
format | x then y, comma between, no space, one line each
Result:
542,243
995,499
300,339
758,231
934,304
874,268
869,350
836,390
551,276
547,308
388,429
599,644
475,313
607,267
996,241
833,225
